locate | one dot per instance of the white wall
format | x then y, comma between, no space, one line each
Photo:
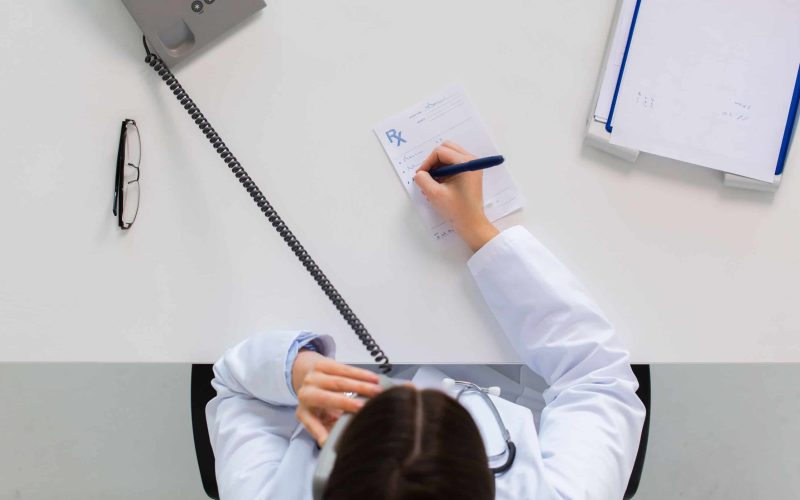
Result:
724,432
96,432
123,432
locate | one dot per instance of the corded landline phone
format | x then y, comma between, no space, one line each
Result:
174,29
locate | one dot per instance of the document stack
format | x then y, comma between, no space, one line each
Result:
713,83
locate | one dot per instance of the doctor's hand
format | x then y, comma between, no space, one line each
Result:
459,198
320,384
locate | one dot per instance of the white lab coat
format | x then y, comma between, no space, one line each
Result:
589,430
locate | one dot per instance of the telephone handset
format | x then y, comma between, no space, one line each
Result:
266,208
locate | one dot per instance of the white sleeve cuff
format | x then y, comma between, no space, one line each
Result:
256,366
497,248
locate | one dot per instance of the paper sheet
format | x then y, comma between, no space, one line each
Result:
614,63
409,137
711,82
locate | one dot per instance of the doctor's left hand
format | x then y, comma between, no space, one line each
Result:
320,384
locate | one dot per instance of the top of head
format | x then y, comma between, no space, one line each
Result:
176,29
407,443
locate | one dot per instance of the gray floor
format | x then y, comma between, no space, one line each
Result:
123,431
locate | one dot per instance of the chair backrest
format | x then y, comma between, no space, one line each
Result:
202,392
642,373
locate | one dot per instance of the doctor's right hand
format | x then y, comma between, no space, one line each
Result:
459,198
320,384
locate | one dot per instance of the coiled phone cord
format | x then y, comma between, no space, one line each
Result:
266,208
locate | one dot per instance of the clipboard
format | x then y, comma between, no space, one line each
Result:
598,134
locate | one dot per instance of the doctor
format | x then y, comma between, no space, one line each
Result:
279,394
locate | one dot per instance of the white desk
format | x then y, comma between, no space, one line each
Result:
687,269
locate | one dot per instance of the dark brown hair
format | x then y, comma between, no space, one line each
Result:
408,444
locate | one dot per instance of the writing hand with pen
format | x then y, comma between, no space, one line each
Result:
458,198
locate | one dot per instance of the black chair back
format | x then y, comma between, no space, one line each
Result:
202,393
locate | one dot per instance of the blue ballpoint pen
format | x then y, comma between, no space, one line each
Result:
477,164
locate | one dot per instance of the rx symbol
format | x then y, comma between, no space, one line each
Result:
394,135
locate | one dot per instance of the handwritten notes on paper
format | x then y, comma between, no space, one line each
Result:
711,82
411,135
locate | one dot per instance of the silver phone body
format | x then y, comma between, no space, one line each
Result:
175,29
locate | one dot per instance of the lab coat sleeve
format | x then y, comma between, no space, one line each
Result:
251,420
591,425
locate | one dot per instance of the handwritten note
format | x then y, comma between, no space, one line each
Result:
711,82
409,137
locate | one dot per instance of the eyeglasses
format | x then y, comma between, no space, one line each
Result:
126,183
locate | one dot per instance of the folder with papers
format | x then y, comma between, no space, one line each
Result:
714,83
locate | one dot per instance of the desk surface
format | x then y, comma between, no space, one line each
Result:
687,269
